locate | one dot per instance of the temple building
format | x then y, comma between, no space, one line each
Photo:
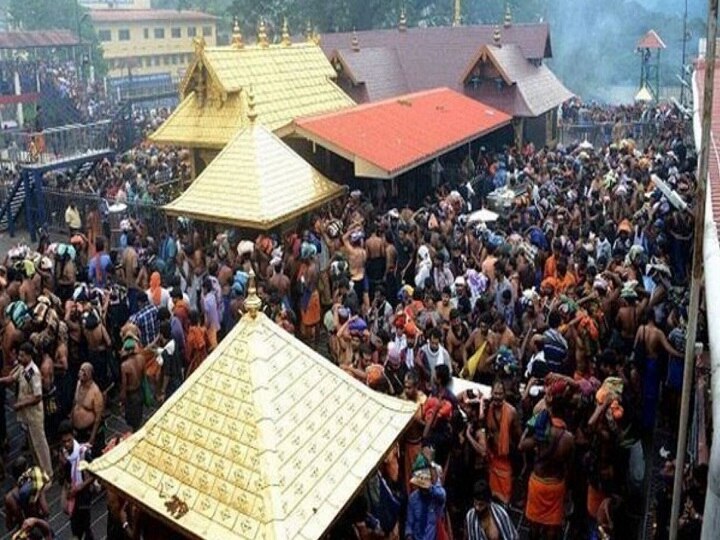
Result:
267,439
498,65
288,80
277,185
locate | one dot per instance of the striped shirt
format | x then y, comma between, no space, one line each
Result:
473,524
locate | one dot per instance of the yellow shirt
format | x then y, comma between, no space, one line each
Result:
72,218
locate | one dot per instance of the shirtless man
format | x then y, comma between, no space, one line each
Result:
88,409
99,347
357,256
391,262
457,336
553,449
502,335
28,290
131,373
130,272
628,318
44,345
376,259
653,343
279,280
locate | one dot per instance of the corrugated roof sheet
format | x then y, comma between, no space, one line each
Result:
398,134
714,158
287,82
37,38
267,439
534,88
257,181
136,15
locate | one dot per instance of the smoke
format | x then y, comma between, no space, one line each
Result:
594,42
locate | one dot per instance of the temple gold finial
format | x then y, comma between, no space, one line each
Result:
457,14
237,39
497,36
316,38
252,302
199,44
402,24
262,38
308,32
507,23
355,41
251,112
286,41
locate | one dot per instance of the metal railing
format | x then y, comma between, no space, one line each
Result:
56,144
57,201
601,133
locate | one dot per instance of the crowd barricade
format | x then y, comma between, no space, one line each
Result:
601,133
57,201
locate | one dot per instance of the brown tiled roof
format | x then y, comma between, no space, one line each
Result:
135,15
378,69
391,63
422,46
45,38
536,89
651,41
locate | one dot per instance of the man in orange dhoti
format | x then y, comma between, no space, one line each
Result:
503,430
412,440
547,436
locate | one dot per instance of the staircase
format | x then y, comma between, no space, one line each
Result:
12,206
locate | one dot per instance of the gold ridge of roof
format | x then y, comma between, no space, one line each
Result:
257,181
288,82
266,440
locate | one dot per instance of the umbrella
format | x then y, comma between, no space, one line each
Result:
585,145
484,215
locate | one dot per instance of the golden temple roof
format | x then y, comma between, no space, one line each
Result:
288,81
266,440
256,181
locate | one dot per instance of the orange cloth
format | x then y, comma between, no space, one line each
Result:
565,283
411,450
503,430
156,288
625,226
545,501
550,269
595,497
501,477
196,347
310,316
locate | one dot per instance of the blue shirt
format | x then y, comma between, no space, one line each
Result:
423,513
147,322
98,275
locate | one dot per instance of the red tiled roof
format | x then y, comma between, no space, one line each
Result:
651,41
136,15
36,38
386,138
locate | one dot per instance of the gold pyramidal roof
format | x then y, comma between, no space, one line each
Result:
256,181
266,440
288,81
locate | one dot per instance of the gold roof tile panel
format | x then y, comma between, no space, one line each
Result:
198,126
288,82
257,181
267,439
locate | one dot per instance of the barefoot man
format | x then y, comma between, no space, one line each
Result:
548,437
88,408
357,257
